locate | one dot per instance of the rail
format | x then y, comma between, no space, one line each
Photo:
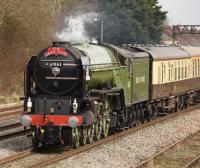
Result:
11,111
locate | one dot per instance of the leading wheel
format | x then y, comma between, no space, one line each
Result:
98,129
75,137
105,126
90,134
35,138
83,136
106,118
87,135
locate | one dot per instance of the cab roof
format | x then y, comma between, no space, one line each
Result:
126,52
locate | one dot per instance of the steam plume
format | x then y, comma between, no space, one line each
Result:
74,30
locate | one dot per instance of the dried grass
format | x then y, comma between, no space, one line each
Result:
9,99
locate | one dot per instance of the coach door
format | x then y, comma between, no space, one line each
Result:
130,79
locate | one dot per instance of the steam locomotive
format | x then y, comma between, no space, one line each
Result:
77,93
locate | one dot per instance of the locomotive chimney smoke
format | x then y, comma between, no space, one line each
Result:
74,30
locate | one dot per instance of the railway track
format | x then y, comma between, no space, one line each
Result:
10,108
10,111
193,163
184,154
10,126
19,155
11,130
68,153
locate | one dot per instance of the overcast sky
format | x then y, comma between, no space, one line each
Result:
182,11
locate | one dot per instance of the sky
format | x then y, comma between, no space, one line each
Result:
182,11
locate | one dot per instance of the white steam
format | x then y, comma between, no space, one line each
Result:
74,30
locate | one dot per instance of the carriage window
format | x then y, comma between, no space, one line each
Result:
175,66
169,72
179,70
162,76
186,69
172,71
197,62
159,75
182,69
193,68
189,70
164,72
198,67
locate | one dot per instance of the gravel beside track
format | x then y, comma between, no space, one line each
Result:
29,160
132,149
13,145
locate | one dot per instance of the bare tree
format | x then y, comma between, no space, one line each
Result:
26,26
